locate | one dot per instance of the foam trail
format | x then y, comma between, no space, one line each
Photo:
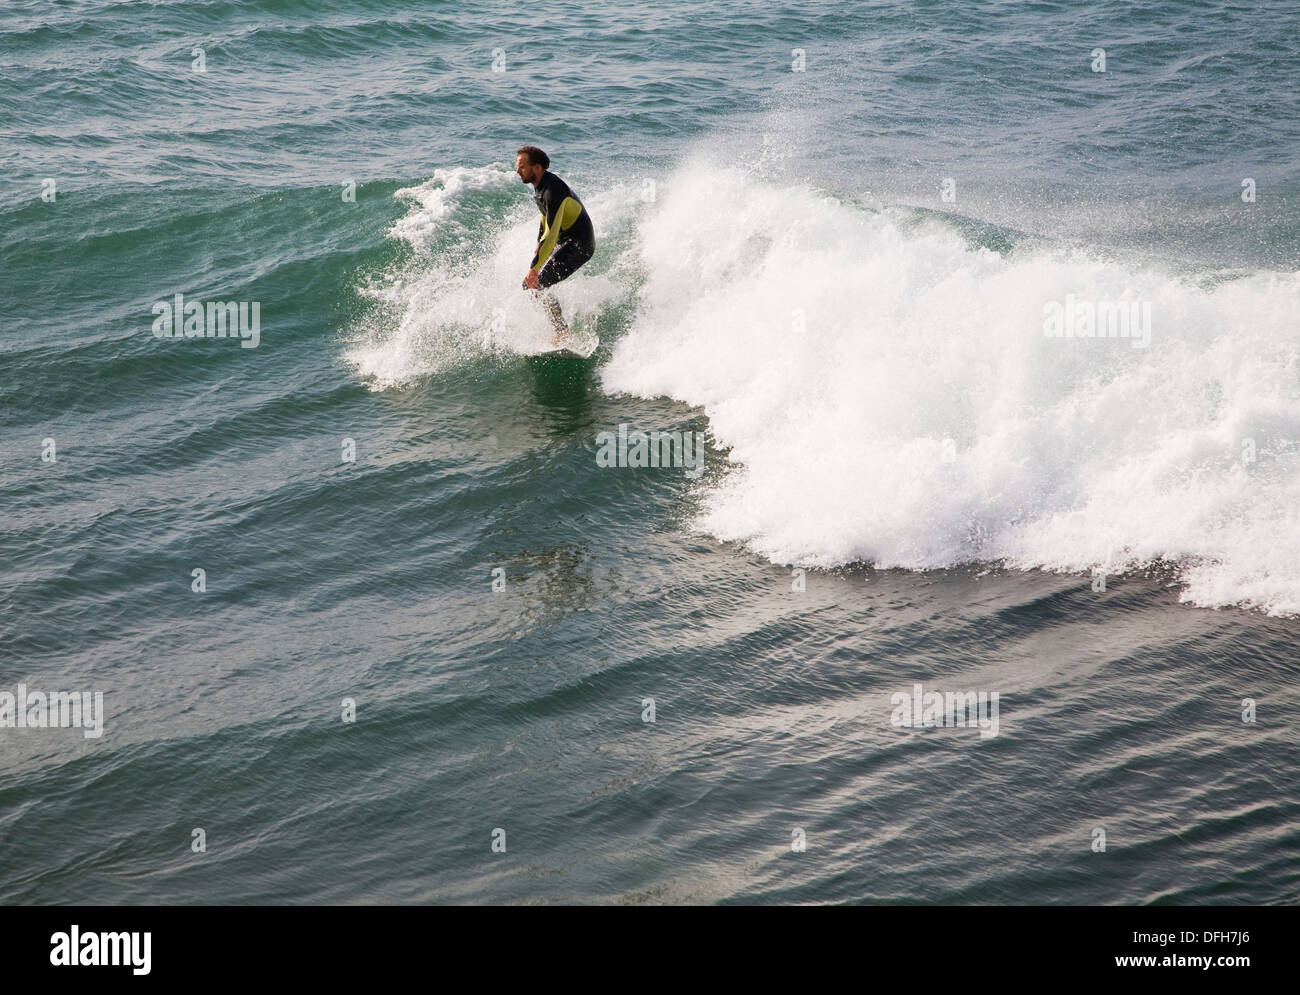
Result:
890,396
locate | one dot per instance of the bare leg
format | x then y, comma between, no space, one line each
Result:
552,307
568,257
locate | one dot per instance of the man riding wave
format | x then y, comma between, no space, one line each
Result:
565,236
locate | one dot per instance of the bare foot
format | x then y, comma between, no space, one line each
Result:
561,337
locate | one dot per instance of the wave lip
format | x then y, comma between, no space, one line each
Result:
890,395
436,199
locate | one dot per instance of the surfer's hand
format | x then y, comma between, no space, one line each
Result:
530,281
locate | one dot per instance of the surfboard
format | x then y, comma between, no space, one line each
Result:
574,349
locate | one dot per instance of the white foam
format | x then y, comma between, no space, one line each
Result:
1066,453
445,308
435,200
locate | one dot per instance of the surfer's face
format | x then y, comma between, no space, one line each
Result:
528,173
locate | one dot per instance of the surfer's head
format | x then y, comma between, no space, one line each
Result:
530,163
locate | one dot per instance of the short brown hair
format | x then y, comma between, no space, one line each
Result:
536,156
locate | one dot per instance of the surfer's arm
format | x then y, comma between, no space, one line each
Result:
566,214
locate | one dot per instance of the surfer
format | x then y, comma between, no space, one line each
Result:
565,237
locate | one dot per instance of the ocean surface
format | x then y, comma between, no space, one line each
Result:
435,652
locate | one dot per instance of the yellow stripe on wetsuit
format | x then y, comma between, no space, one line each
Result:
569,212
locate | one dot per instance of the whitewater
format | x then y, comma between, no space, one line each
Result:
884,386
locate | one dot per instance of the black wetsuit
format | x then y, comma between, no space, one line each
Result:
566,236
